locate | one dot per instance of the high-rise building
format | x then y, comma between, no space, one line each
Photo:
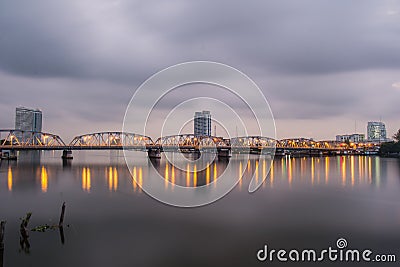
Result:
202,123
376,131
27,119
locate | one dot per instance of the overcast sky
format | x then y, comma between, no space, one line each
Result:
326,67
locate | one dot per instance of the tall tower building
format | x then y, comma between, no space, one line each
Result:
376,131
202,123
27,119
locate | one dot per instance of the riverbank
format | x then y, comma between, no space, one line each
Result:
390,150
390,155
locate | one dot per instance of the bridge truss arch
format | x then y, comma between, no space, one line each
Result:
253,142
12,138
191,140
305,143
111,139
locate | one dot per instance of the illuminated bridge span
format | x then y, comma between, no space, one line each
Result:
189,141
28,140
303,143
253,144
15,140
260,142
110,140
20,140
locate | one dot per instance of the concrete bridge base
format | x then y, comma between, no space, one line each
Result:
67,154
8,154
224,153
280,152
154,153
316,153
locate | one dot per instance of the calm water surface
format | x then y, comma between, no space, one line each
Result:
304,203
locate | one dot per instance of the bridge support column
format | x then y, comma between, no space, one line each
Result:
255,150
8,154
315,153
224,153
154,153
67,154
279,152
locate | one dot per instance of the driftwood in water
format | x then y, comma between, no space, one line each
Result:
61,229
2,230
2,227
60,224
24,238
44,227
24,224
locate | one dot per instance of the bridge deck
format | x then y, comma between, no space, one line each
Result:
144,148
114,147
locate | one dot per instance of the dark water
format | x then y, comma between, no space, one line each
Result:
304,203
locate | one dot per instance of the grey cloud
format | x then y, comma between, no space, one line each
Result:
124,40
68,39
289,37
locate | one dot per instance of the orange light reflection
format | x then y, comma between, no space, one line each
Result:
44,179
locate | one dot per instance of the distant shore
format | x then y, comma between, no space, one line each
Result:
390,155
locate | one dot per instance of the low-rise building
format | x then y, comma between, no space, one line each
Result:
354,138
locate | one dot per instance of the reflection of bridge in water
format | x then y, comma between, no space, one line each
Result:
17,140
344,171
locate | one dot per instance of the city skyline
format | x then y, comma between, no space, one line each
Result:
82,69
30,119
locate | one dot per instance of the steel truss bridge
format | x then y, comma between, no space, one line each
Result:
17,140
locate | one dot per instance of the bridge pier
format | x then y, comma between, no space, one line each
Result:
66,163
8,154
154,153
280,152
314,152
224,153
255,150
67,154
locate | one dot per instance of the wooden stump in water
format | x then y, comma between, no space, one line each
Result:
2,227
24,239
2,230
60,224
